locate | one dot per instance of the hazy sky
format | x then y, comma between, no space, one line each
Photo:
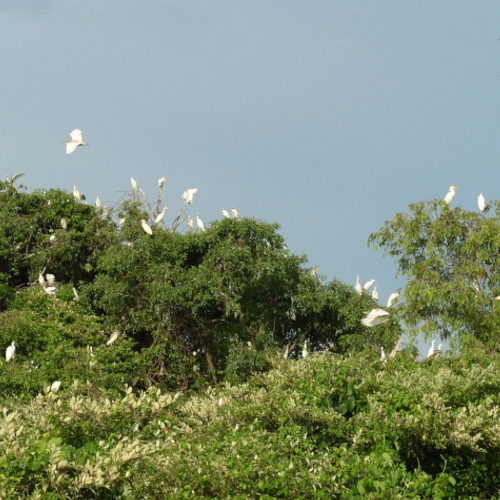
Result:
326,117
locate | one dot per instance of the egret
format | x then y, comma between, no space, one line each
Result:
113,338
450,195
76,194
11,181
190,223
368,285
392,298
41,279
76,141
134,184
160,216
375,317
98,204
200,224
396,347
314,271
188,195
431,350
304,351
235,213
383,357
64,224
122,221
10,352
375,294
146,227
52,238
77,297
55,386
51,290
221,401
358,287
161,181
286,352
225,214
51,279
481,202
439,347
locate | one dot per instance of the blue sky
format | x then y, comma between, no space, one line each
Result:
327,117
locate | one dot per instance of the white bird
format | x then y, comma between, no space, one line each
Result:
10,352
375,294
113,337
55,386
51,279
225,214
383,357
188,195
450,195
431,350
98,204
11,181
395,349
221,401
76,194
77,297
196,368
64,224
358,287
52,238
375,317
200,224
190,223
481,202
134,184
304,351
439,347
161,181
41,279
368,285
51,290
76,141
146,227
160,216
235,213
392,298
122,221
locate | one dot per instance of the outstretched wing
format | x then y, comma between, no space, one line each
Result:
76,135
14,179
70,147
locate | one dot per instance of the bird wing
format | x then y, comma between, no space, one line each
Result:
14,179
76,135
70,147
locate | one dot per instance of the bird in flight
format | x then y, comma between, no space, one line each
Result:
76,140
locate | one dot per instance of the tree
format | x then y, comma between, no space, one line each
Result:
451,259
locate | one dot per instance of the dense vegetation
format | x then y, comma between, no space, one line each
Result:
196,396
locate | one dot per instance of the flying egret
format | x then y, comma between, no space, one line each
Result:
396,347
76,141
225,214
76,194
481,202
375,317
98,204
146,227
450,195
200,224
51,279
383,357
160,216
55,386
64,224
190,223
235,213
368,285
431,350
304,351
188,195
375,294
10,352
113,337
358,287
392,298
161,181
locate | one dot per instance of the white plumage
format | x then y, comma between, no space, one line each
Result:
10,352
358,287
161,181
146,227
481,202
160,216
368,285
375,317
225,214
375,295
113,338
450,195
64,224
235,213
200,224
55,386
188,195
392,298
76,194
76,141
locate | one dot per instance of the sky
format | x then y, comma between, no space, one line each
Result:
327,117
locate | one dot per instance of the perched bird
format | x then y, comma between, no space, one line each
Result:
11,180
10,352
383,357
375,294
161,181
304,350
52,238
76,140
396,347
188,195
98,204
481,202
160,216
358,287
51,279
392,298
146,227
134,184
235,213
375,317
122,221
450,195
55,386
41,279
368,285
51,290
199,223
190,223
221,401
113,337
431,350
439,347
314,271
76,194
225,214
77,297
64,224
